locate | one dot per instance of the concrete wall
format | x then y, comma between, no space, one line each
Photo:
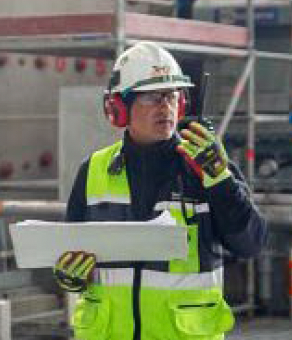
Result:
81,114
29,104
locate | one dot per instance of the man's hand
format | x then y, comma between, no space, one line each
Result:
204,153
73,270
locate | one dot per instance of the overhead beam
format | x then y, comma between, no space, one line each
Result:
178,30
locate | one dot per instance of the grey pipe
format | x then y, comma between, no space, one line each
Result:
36,208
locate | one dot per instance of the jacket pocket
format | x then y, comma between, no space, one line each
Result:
204,315
91,318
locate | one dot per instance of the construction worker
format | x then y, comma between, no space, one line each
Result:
151,171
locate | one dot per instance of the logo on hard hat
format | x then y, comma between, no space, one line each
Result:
158,71
124,60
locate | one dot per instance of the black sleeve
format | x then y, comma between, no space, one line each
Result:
76,206
238,175
239,224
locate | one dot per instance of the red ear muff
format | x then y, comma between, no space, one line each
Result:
115,110
182,103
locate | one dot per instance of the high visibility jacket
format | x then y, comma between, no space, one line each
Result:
148,301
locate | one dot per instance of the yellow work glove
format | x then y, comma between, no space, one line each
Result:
73,270
204,153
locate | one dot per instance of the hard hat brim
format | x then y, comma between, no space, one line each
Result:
161,86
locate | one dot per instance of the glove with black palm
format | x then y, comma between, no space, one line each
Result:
73,270
204,153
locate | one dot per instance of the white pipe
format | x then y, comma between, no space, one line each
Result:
30,184
120,26
5,320
51,313
29,117
197,48
273,55
166,3
290,282
38,208
237,3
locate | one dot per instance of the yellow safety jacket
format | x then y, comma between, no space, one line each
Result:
142,302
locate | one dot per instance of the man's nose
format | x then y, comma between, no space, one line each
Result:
165,102
167,110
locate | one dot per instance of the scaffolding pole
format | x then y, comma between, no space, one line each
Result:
251,97
237,92
250,156
247,76
120,26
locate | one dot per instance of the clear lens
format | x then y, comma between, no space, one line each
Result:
156,97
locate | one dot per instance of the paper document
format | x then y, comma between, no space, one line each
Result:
39,244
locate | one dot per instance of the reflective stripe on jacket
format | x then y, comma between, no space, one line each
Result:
141,301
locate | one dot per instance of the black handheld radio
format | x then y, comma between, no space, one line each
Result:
202,100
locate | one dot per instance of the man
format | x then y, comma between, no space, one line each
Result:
151,171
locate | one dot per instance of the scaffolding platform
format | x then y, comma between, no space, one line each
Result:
90,32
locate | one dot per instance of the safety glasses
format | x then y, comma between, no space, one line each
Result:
156,97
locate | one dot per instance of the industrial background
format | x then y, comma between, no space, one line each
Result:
55,62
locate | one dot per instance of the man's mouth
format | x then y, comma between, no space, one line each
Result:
165,121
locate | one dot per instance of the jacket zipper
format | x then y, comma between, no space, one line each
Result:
136,301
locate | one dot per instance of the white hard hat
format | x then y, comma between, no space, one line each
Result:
145,67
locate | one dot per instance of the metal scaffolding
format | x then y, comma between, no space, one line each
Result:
247,77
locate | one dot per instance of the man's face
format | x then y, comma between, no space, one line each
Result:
153,116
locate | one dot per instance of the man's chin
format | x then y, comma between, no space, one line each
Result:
165,135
